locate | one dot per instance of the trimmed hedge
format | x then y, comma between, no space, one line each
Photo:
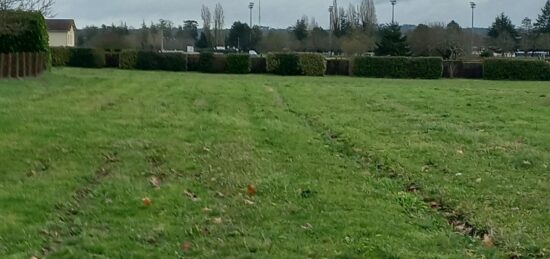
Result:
149,60
516,69
112,59
398,67
77,57
338,67
258,65
193,62
312,64
238,63
22,31
212,63
285,64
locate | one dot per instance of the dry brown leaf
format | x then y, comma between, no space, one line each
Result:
251,190
147,202
186,246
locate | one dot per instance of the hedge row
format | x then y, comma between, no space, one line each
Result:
516,69
290,64
22,31
77,57
148,60
398,67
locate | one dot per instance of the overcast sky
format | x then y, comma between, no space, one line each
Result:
283,13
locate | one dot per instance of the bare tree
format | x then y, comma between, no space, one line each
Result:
43,6
219,18
206,22
367,14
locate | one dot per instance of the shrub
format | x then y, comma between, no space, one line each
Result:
60,56
238,63
211,63
193,62
426,67
112,59
22,31
398,67
83,57
338,67
515,69
149,60
258,65
390,67
283,63
128,59
206,61
312,64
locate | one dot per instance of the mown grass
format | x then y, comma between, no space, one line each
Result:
344,167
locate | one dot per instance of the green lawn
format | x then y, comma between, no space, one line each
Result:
343,167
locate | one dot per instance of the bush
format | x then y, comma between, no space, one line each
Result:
90,58
515,69
258,65
338,67
112,59
149,60
426,67
127,59
390,67
398,67
238,63
22,31
77,57
211,63
60,56
283,63
312,64
193,62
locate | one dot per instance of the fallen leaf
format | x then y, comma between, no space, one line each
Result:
34,257
248,202
147,202
206,210
526,162
307,226
458,174
220,195
191,195
251,190
217,220
460,152
154,181
186,246
434,205
487,241
478,180
206,149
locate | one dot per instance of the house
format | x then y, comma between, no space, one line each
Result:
61,32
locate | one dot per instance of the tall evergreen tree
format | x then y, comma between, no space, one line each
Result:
543,22
503,34
392,42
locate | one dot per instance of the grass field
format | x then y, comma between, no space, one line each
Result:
342,167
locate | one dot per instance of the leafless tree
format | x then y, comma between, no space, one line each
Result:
43,6
206,22
367,14
219,18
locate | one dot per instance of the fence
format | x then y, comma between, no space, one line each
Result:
19,65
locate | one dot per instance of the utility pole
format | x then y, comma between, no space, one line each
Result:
393,3
473,6
260,13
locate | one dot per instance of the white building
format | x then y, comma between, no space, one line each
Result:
61,32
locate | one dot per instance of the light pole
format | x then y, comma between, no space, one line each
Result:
331,25
260,13
251,6
473,6
393,3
